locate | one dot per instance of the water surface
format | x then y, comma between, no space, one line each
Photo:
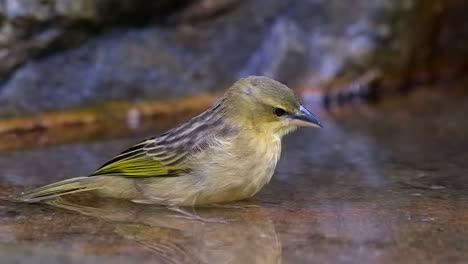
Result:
380,184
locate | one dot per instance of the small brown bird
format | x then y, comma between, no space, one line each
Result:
227,153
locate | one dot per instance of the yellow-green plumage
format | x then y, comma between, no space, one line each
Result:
227,153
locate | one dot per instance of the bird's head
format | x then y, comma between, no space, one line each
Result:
267,105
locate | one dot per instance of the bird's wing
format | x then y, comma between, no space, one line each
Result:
146,159
168,154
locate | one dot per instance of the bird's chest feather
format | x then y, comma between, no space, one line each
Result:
238,168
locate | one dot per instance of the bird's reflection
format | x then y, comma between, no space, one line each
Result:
248,235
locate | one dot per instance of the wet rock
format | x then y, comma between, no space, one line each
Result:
60,54
32,28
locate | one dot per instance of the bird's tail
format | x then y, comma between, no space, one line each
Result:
73,185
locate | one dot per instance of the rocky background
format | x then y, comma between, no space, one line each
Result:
63,54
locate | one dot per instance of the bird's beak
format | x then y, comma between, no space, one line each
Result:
305,118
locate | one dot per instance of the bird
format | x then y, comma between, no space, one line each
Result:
225,154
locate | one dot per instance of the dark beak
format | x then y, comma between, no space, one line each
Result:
305,118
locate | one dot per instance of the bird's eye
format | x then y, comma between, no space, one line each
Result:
279,111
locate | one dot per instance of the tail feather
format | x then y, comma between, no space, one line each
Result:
56,189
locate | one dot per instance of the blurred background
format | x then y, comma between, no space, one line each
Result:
94,62
384,182
67,54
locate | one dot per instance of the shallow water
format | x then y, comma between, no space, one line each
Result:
381,184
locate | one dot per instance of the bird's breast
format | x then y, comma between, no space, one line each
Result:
261,159
237,168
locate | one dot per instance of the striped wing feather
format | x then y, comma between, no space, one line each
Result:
167,155
138,162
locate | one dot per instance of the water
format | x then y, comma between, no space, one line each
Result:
382,184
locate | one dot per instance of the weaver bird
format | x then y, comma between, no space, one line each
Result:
227,153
